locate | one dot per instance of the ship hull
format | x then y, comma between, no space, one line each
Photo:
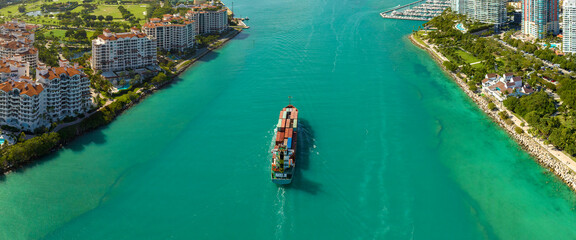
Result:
284,152
283,180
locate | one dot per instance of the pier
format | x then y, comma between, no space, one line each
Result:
421,10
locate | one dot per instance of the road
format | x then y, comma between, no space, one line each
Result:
547,63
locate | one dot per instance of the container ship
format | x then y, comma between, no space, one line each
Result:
284,152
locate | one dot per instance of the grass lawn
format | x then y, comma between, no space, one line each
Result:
112,10
41,20
61,33
478,66
467,56
57,33
418,38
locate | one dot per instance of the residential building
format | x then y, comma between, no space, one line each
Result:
67,90
569,24
211,18
172,32
540,18
123,51
18,49
22,104
504,86
487,11
458,6
17,31
16,39
14,69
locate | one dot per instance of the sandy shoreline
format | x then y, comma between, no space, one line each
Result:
529,143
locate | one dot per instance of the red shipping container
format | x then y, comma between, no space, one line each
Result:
279,136
288,133
281,113
295,115
283,123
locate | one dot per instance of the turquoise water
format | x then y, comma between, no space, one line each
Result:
123,87
391,148
460,27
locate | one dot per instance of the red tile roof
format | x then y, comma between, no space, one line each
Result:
24,87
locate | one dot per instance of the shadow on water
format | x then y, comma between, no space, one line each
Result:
94,137
79,144
305,148
209,56
242,36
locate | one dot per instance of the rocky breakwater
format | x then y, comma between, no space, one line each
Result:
526,141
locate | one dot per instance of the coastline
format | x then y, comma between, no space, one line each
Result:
88,124
529,143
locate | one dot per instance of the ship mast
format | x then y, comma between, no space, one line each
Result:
289,100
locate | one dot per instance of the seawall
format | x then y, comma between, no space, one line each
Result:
527,142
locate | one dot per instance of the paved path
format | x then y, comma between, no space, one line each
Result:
63,125
560,155
549,64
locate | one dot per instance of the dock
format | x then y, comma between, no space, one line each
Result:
421,10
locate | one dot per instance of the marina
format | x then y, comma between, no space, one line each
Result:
421,10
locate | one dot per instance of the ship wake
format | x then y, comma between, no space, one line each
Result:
280,216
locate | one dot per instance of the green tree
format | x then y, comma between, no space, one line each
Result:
491,106
69,33
22,8
22,137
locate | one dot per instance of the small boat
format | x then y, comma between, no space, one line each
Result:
246,18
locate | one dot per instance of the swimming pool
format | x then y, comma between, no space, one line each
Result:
127,86
460,27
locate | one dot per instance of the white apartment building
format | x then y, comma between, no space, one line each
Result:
22,105
211,18
18,49
458,6
67,90
14,69
122,51
171,32
569,32
16,39
486,11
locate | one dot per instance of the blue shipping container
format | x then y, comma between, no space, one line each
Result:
289,143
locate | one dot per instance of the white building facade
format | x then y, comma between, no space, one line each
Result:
486,11
171,32
210,18
67,91
22,105
458,6
569,24
17,39
122,51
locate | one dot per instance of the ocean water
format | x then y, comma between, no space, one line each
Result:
390,148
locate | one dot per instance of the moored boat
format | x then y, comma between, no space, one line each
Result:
284,152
